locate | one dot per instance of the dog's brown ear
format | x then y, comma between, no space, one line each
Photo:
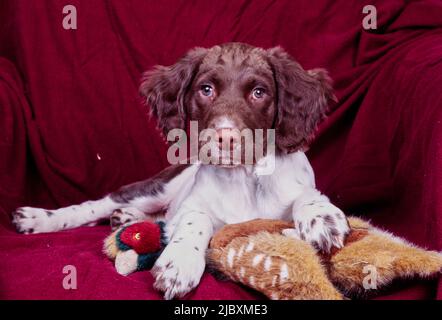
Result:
165,89
302,98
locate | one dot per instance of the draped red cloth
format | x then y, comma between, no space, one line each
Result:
72,127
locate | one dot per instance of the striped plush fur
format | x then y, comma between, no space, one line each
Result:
256,254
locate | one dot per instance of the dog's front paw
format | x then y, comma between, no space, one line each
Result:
121,217
178,270
29,220
324,227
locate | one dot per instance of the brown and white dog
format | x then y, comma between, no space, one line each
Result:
226,87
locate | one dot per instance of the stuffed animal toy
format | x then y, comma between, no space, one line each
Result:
136,246
264,255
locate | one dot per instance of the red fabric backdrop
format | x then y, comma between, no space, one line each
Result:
72,127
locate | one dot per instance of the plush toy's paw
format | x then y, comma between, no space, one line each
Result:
29,220
125,216
178,270
323,226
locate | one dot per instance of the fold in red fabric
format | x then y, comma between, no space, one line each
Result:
72,126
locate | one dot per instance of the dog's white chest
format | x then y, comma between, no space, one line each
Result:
237,194
229,195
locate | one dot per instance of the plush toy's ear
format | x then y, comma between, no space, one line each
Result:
372,262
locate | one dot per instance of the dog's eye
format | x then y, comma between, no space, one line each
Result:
258,93
206,90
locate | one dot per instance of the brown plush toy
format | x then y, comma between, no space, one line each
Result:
262,255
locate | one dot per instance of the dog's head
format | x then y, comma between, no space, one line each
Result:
235,86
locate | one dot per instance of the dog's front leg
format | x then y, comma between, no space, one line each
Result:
179,268
146,196
318,221
29,220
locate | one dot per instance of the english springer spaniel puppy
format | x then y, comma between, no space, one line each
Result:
225,88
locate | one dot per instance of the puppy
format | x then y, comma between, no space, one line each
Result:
225,88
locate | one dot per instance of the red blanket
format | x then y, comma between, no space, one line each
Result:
72,127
